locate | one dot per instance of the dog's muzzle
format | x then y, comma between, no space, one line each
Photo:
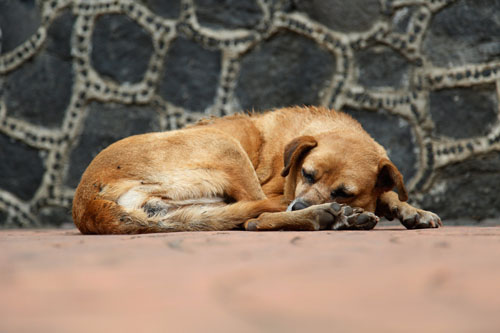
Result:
297,204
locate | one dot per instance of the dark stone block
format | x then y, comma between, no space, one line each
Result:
467,190
347,16
3,218
381,66
464,112
191,75
55,216
228,14
113,52
19,20
467,31
286,70
21,168
105,124
59,35
169,9
39,91
395,134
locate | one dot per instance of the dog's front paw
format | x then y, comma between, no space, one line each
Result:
348,218
414,218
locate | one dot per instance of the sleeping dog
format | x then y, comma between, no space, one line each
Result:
299,168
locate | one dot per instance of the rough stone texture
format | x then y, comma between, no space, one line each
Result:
401,19
229,14
432,64
55,216
14,30
294,66
464,112
52,69
380,66
386,280
347,16
399,140
468,189
102,129
169,9
21,168
30,102
466,32
191,75
113,55
59,35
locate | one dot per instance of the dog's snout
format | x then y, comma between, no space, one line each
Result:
299,204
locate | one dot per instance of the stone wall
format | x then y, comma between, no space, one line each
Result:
423,77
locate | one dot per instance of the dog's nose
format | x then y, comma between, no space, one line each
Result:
299,204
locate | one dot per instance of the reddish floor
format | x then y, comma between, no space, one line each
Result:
385,280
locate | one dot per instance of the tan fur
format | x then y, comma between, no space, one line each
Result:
222,172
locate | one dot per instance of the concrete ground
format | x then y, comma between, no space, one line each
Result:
385,280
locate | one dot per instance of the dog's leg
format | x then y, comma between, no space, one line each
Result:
391,207
325,216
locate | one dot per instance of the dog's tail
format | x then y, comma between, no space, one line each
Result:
107,217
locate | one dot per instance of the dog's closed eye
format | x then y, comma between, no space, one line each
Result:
341,193
309,176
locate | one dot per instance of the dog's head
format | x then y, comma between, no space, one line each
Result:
350,168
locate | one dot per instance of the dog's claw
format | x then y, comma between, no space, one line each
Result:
363,219
336,207
251,226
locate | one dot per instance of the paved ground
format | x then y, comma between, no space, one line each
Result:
385,280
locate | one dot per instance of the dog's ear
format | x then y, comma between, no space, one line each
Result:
388,177
295,150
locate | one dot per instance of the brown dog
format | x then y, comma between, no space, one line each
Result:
244,171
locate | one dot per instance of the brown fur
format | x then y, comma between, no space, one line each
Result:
222,172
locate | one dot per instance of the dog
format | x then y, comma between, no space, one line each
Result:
297,168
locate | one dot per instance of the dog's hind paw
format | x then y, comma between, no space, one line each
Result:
156,207
348,218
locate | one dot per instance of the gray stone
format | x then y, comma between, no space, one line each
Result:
21,168
467,32
169,9
287,69
3,218
394,133
54,216
468,189
228,14
19,20
347,16
282,5
59,35
381,66
191,75
29,90
401,19
464,112
45,80
102,128
114,55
